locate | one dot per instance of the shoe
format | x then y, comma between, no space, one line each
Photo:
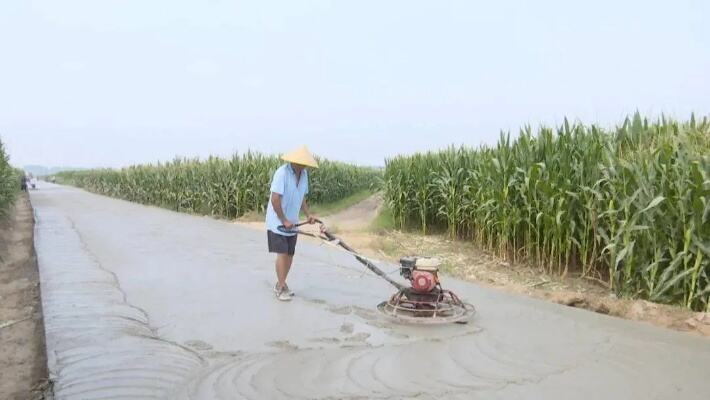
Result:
276,290
283,295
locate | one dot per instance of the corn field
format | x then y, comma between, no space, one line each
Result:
215,186
628,206
9,181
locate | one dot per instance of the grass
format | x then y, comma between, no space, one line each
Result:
384,221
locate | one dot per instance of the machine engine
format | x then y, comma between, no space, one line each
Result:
421,272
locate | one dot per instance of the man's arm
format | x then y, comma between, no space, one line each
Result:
307,212
305,209
276,202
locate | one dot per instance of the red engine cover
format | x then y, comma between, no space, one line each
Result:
423,281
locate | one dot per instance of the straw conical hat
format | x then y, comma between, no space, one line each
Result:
301,156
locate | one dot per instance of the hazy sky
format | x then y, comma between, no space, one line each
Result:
114,82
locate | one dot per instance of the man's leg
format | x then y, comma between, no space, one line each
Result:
283,266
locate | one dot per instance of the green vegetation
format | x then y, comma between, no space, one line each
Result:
384,221
9,181
226,188
628,206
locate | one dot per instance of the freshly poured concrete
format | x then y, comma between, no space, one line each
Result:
142,302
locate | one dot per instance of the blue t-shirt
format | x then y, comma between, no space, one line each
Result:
292,195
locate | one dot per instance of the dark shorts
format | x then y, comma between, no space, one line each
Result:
281,244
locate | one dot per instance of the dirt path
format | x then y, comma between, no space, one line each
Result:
357,217
23,364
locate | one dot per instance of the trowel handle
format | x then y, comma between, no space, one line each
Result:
283,229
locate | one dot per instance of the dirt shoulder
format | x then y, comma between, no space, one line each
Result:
23,362
464,261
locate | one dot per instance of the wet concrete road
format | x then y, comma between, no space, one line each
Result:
141,302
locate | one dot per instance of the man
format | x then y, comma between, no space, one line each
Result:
289,187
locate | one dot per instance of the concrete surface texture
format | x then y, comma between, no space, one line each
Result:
142,302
